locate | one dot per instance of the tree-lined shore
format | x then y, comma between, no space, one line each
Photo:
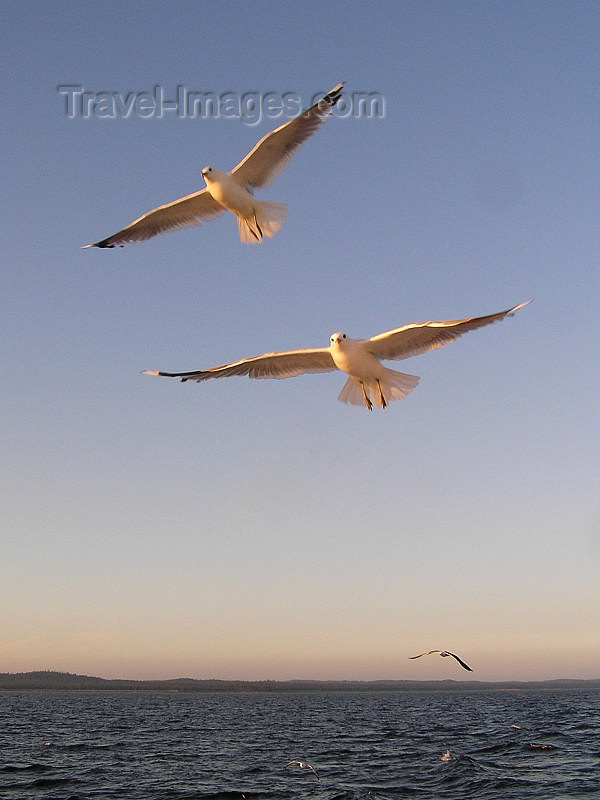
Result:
65,681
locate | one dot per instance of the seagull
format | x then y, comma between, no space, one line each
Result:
233,191
445,654
369,382
303,765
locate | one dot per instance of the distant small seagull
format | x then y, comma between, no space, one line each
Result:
232,191
303,765
445,654
369,382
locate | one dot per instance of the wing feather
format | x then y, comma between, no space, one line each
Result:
428,653
460,661
270,365
183,213
411,340
269,157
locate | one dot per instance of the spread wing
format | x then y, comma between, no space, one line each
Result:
460,661
182,213
269,157
269,365
428,653
410,340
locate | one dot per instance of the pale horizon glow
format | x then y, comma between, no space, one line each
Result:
259,529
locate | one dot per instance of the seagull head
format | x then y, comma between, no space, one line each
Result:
208,173
338,339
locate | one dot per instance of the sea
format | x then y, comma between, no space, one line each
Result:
490,745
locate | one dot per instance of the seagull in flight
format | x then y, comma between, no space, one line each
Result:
303,765
369,382
445,654
233,191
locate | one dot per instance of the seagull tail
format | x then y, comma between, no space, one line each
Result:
394,386
397,385
266,220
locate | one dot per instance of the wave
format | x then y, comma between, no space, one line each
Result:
25,768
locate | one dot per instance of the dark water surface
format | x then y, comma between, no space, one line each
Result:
71,746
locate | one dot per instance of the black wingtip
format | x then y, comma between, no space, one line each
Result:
104,243
330,99
334,95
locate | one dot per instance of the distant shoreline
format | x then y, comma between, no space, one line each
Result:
65,681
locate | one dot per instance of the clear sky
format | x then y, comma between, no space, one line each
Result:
261,529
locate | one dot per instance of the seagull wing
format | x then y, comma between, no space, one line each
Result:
269,157
411,340
428,653
182,213
269,365
460,661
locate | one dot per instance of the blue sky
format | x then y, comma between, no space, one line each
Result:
261,529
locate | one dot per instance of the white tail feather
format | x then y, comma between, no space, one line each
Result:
394,386
266,220
247,234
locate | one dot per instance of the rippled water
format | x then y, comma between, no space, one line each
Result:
364,745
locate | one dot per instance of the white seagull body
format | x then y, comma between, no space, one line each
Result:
445,654
232,191
303,765
369,382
